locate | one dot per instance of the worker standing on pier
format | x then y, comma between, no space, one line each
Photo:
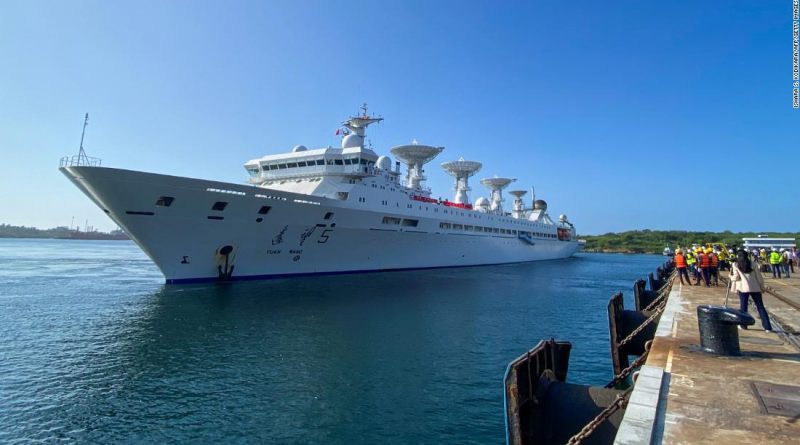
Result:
691,261
714,268
747,281
680,264
775,262
786,259
704,262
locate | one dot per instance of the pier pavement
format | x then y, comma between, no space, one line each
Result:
686,396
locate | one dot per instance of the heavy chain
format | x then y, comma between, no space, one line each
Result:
665,292
644,324
636,363
620,402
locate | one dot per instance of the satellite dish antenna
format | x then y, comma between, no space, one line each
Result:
461,170
415,156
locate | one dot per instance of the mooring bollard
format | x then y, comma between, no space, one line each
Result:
718,328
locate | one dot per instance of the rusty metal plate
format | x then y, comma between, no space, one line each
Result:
778,400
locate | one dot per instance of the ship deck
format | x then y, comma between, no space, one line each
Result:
684,395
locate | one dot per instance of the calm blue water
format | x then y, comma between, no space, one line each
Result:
95,349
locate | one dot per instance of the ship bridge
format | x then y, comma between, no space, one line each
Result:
304,163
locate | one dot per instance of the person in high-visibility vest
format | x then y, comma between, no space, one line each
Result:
681,266
786,258
775,262
704,264
691,261
713,270
723,259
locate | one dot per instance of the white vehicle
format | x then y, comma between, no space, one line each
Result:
321,211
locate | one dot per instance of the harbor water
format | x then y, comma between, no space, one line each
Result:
96,349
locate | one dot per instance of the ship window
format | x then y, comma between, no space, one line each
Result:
216,217
349,161
444,225
259,219
301,164
219,206
328,215
281,166
363,161
390,220
468,228
496,230
291,165
165,201
338,161
264,210
478,229
320,162
272,167
410,222
458,227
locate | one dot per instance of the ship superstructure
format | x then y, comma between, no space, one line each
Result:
321,211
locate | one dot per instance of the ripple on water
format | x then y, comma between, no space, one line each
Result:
96,350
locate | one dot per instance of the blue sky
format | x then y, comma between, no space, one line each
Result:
624,115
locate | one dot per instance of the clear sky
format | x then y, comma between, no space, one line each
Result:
623,114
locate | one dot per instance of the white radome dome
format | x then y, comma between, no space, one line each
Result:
562,217
481,202
352,140
298,148
384,163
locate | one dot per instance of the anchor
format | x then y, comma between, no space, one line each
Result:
224,274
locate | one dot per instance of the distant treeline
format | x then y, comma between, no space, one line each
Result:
9,231
654,241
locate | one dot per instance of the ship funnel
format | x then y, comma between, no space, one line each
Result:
461,170
496,185
415,156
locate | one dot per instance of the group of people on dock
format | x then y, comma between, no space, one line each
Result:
745,267
703,264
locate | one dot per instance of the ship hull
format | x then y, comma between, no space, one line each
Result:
296,235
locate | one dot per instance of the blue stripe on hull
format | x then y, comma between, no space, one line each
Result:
344,272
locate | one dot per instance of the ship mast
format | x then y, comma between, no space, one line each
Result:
81,152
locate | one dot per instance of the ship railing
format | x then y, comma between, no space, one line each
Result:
80,161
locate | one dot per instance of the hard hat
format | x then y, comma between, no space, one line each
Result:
709,250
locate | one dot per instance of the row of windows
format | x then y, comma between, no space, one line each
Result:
392,221
469,228
313,162
218,206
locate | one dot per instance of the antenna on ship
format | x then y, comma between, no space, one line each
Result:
81,152
357,125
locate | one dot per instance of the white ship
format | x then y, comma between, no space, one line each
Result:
322,211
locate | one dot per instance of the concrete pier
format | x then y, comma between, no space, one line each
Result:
686,396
